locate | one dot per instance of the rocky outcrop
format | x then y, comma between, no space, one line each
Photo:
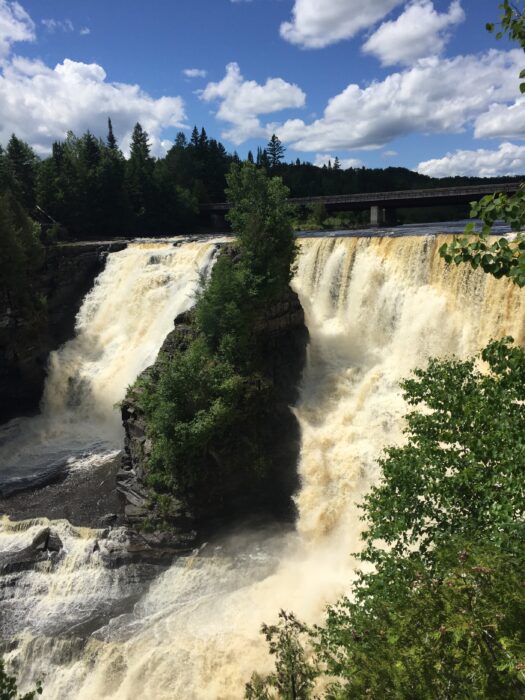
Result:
27,336
45,544
281,340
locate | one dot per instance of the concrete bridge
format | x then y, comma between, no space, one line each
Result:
382,205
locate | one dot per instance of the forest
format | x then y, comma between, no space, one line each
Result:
87,189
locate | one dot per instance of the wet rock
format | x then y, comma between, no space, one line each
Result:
281,338
54,543
44,543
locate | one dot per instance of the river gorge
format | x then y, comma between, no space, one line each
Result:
92,621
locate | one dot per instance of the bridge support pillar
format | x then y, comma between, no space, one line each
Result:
218,222
381,217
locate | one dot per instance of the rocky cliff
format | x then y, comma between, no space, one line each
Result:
27,336
281,340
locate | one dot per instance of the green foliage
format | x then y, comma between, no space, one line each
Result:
261,219
500,258
22,253
9,690
512,25
295,674
204,405
275,151
462,467
453,631
441,613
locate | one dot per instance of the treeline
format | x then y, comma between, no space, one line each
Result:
86,188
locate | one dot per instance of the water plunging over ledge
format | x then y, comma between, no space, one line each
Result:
376,307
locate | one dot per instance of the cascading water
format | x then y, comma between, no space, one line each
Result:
375,308
119,331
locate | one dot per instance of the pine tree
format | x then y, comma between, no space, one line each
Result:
275,151
140,180
337,164
250,157
195,137
203,139
111,141
22,162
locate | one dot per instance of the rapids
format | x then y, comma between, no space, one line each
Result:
376,308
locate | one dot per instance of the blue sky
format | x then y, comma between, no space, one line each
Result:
416,83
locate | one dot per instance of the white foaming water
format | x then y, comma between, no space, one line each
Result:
120,328
375,308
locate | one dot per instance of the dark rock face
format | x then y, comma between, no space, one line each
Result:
26,339
281,339
45,544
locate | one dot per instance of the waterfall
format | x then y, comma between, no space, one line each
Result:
119,330
376,308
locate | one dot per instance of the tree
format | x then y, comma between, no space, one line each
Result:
261,218
22,163
501,258
140,183
206,406
111,141
440,610
294,675
275,151
461,469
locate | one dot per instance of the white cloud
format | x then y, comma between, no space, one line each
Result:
318,23
389,154
54,25
323,159
502,121
195,72
242,101
509,159
40,104
419,32
15,25
84,31
435,96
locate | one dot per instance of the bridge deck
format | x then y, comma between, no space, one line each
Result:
399,198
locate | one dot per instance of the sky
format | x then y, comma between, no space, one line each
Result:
419,84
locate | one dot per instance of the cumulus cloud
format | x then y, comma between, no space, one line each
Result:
15,25
195,72
317,24
508,159
40,104
242,101
324,158
419,32
435,96
502,121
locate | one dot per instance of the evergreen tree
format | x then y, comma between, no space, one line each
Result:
337,164
140,180
111,140
195,137
275,151
250,157
22,164
203,139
